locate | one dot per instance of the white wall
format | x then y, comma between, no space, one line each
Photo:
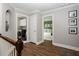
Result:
0,18
12,29
5,46
35,28
61,35
39,27
0,25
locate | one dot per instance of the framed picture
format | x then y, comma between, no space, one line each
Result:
72,13
72,22
73,30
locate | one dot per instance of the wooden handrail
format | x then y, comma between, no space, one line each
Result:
18,44
13,42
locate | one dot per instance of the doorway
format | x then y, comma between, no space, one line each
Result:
47,28
22,28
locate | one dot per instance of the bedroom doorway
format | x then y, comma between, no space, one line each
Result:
47,28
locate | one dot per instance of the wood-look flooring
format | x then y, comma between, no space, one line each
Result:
46,49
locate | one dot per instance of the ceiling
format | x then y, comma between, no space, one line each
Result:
29,7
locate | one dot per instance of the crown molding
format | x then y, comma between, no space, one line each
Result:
44,12
21,11
35,12
56,9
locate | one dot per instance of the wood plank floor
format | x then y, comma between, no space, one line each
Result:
46,49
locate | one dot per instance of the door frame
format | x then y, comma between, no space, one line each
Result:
52,26
27,28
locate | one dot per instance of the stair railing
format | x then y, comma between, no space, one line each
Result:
18,44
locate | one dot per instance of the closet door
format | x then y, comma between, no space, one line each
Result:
33,28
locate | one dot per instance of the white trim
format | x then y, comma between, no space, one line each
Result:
27,19
34,12
52,24
10,50
37,43
26,41
28,30
56,9
66,46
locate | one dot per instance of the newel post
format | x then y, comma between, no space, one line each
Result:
19,46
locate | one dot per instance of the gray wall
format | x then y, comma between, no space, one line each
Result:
61,35
12,28
5,46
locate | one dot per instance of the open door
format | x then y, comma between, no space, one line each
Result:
47,29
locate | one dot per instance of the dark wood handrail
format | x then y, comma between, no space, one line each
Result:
18,44
13,42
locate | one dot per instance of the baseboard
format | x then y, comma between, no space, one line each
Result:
26,41
66,46
37,43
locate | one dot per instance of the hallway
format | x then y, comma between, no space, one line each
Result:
46,49
61,27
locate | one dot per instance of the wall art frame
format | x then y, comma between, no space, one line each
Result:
72,14
73,30
72,22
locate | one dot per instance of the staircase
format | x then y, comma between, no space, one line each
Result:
14,47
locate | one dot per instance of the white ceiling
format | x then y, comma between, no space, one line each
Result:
29,7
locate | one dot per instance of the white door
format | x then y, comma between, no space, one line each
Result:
33,28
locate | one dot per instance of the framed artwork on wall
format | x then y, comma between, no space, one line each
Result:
73,30
72,14
72,22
